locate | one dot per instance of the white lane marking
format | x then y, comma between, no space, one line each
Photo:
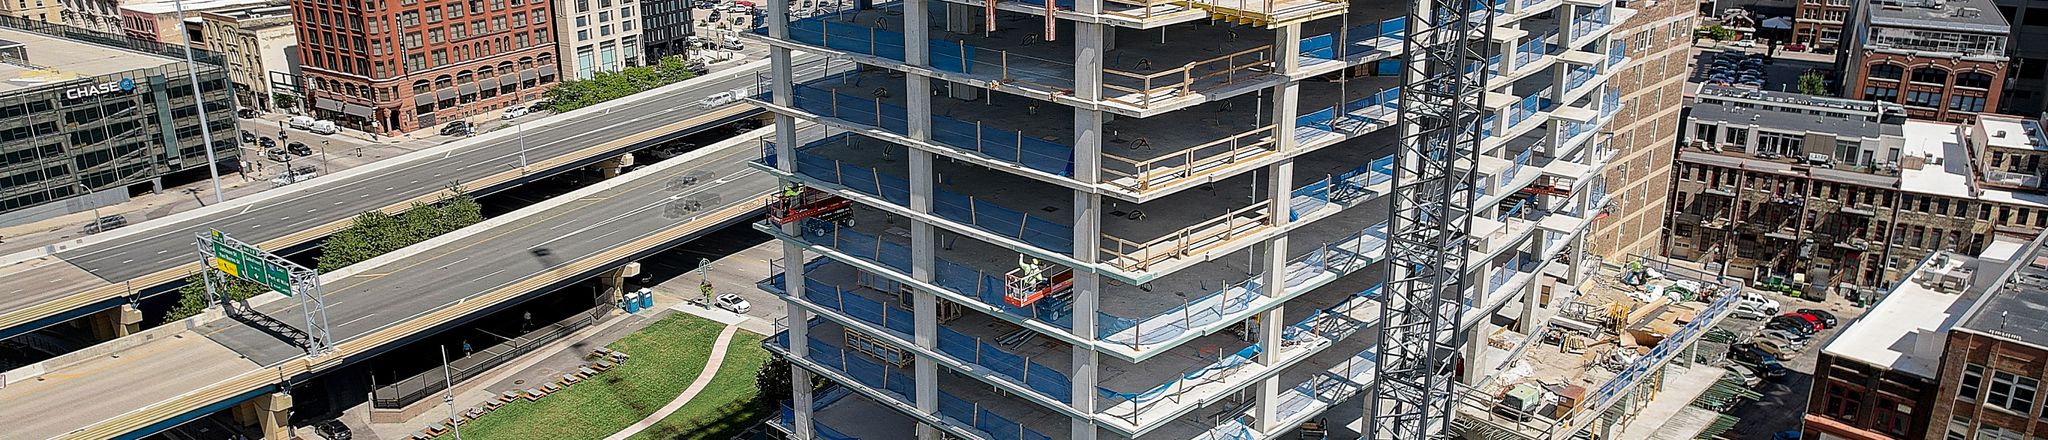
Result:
245,209
488,275
352,321
452,263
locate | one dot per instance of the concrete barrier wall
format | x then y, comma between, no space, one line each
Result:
745,140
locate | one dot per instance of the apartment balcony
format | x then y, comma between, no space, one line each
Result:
1134,323
883,374
2012,179
1141,78
1372,41
1589,26
1362,106
1269,14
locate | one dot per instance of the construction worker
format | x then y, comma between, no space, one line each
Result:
792,191
1034,274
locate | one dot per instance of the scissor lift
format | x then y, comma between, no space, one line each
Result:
1025,287
809,203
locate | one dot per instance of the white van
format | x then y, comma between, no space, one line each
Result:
300,122
322,127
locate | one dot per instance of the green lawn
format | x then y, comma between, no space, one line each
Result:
667,356
726,407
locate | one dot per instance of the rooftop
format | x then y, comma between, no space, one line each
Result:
2012,132
1945,168
2016,304
65,60
1791,112
171,7
1950,15
1906,329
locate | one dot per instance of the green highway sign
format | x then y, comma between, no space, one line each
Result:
247,262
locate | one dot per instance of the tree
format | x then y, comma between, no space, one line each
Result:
284,101
192,297
1812,84
773,382
606,86
1717,33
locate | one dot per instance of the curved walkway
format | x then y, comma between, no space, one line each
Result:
703,380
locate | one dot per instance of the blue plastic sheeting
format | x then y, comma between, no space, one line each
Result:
1321,46
1159,328
859,307
768,153
1340,188
862,370
996,426
847,37
1006,145
990,289
1235,429
1392,28
1045,234
1037,377
825,432
1387,67
865,110
851,242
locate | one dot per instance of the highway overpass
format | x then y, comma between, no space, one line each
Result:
383,303
99,272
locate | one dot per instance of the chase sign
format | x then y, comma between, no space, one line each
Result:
123,85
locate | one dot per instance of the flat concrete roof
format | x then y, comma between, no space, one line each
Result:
2014,308
191,7
1951,15
66,60
1887,335
1936,141
2012,132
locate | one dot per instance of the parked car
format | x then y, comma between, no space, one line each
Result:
333,430
1826,318
323,128
300,122
298,148
276,154
1792,323
1758,301
1787,335
104,224
732,302
246,113
1748,375
297,175
1810,319
514,113
266,142
1749,355
248,136
1777,350
458,128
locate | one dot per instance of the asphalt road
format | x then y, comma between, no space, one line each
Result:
157,372
446,274
326,200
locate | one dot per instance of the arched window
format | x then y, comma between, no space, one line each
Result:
1930,75
421,87
1886,71
1973,79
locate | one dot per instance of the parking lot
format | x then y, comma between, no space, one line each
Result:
1783,404
1727,68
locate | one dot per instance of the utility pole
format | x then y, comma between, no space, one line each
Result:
205,131
448,392
96,208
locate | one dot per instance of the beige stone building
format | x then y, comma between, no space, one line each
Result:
1650,84
259,43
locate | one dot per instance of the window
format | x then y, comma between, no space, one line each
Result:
1973,80
1930,75
1842,402
2011,391
1973,374
1886,71
1918,98
1990,432
1973,104
1881,93
1891,416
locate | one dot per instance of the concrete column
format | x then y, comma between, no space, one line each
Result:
800,391
962,19
915,32
114,323
273,415
1532,298
1088,52
614,282
924,240
613,166
1287,49
1474,350
1271,324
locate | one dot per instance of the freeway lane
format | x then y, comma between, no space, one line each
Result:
442,275
161,379
157,252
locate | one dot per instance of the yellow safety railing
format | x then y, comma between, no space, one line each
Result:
1129,255
1178,83
1194,161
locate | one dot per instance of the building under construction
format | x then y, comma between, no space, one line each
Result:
1192,219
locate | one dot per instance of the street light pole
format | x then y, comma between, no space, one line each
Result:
324,168
448,393
205,131
519,129
95,208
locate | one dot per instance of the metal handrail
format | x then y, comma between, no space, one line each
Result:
1148,170
1130,255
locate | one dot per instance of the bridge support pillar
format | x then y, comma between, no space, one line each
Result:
117,322
273,414
613,166
614,282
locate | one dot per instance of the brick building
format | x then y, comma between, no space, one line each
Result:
391,66
1820,22
1879,378
1817,193
1993,363
1945,60
1656,44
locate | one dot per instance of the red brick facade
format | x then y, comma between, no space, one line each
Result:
1974,416
392,66
1962,89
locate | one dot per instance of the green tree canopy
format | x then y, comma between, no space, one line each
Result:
606,86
